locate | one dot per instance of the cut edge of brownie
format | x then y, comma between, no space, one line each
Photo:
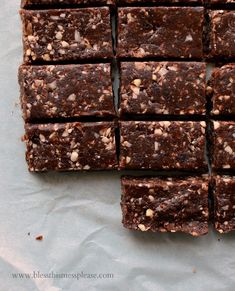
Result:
218,52
223,226
214,94
52,4
213,145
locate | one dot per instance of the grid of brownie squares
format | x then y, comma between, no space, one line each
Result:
170,117
66,75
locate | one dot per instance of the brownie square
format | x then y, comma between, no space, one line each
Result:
156,88
224,203
165,204
174,32
223,90
222,42
70,146
159,145
66,34
223,145
66,91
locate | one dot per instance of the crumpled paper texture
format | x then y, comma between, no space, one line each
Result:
79,216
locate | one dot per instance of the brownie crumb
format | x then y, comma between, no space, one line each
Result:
40,237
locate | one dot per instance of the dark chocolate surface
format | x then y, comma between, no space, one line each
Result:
167,204
223,145
224,203
176,88
71,146
223,87
66,91
222,31
66,34
160,32
162,145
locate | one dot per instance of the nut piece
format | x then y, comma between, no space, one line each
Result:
137,82
151,198
42,138
74,157
149,212
142,227
128,159
216,124
72,97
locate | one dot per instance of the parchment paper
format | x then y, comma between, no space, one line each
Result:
79,217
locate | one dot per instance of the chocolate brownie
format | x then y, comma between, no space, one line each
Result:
160,145
224,203
70,146
222,29
163,88
66,35
174,32
55,91
165,204
223,145
222,86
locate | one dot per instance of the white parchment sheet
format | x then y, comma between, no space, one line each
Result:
79,217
